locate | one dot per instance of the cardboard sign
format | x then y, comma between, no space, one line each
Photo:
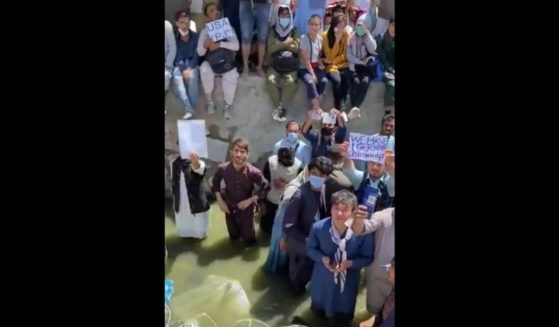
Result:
219,30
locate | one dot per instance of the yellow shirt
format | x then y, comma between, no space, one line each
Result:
337,54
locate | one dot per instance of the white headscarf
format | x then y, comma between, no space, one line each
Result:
283,32
341,253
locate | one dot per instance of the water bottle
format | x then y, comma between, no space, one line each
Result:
369,198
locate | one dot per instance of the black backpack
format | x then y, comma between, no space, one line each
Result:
285,61
221,60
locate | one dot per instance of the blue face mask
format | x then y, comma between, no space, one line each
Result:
284,22
292,137
316,182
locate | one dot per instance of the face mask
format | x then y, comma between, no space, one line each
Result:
326,27
316,182
336,30
360,31
183,33
284,22
292,137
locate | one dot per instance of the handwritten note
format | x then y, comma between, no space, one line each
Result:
219,30
367,147
192,137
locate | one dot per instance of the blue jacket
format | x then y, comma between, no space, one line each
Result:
187,57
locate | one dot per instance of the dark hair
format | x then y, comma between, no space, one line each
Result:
285,156
315,16
182,13
323,164
241,142
393,262
338,8
344,197
292,122
336,19
392,21
328,14
208,5
387,118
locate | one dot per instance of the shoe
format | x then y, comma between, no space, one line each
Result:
282,114
354,113
187,115
275,115
227,112
210,108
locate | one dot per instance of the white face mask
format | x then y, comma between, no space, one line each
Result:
336,29
184,33
326,27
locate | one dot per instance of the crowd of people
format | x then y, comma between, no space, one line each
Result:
328,216
339,44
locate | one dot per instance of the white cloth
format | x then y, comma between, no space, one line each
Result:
341,254
284,32
188,224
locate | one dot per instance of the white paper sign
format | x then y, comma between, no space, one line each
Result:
192,137
327,118
219,30
367,147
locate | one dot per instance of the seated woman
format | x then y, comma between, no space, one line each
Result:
338,257
360,52
283,49
311,70
334,46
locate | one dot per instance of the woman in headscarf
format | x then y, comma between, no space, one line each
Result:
283,49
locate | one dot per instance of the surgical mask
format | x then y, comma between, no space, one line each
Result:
184,33
326,27
336,29
360,31
284,22
316,182
292,137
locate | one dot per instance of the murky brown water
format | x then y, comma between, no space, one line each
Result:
201,269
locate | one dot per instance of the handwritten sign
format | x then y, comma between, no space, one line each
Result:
367,147
219,30
192,137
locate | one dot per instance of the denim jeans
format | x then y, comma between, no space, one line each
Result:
188,98
249,14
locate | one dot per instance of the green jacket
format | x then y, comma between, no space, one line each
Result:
275,45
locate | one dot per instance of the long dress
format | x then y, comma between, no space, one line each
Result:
188,224
325,294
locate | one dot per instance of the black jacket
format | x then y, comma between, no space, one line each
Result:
198,190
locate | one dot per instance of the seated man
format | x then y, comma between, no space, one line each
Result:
338,255
283,49
220,60
301,149
330,134
186,64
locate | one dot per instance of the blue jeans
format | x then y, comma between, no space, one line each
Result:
248,15
188,98
313,90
